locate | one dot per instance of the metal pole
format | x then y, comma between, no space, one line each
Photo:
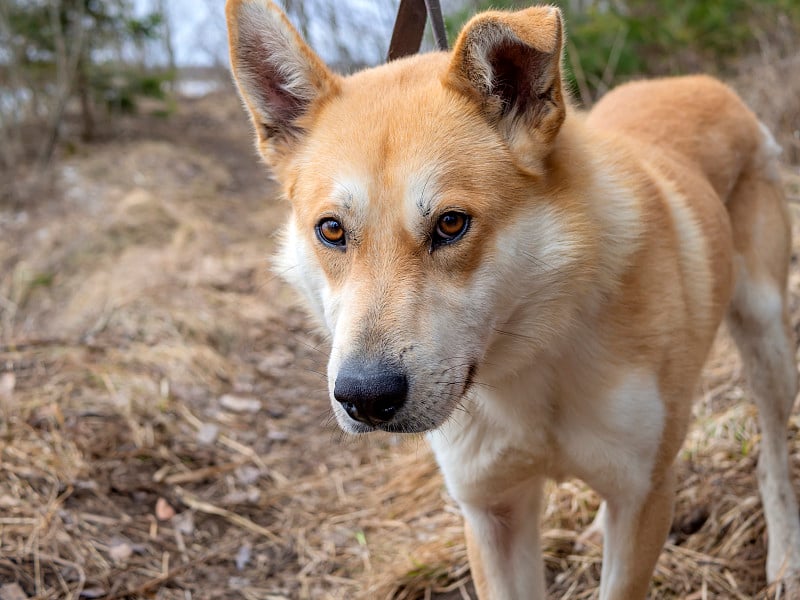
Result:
437,23
408,29
410,26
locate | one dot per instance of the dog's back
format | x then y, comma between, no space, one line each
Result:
700,119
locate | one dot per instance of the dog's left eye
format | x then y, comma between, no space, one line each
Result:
450,227
331,233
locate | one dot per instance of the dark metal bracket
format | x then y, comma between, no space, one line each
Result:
409,27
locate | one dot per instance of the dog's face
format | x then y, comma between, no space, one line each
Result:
412,187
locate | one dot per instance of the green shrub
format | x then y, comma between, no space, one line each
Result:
612,41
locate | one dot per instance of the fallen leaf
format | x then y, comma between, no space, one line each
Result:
240,404
120,552
8,382
274,364
164,512
12,591
243,556
7,501
247,474
238,583
184,522
207,434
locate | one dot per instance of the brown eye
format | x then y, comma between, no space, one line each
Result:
450,227
330,232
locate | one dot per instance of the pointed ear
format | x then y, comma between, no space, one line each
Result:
510,64
279,77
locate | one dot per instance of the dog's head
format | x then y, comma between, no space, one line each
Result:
426,229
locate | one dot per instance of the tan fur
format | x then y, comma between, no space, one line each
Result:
572,318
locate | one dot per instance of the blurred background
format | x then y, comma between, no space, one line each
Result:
69,67
165,429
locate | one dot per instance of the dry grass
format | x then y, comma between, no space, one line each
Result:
138,297
768,81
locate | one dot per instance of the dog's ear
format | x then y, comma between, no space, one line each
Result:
279,77
510,64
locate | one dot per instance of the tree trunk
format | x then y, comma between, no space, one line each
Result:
68,57
85,95
161,7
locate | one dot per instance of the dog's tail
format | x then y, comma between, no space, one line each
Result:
766,159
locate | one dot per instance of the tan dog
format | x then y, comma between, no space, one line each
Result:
472,242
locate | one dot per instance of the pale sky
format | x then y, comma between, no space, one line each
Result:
363,27
199,35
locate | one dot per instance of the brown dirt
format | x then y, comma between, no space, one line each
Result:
151,362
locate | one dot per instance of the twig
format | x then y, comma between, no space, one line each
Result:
223,439
580,76
147,586
205,507
200,474
613,57
13,346
49,558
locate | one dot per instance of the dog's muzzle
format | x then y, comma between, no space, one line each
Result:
370,392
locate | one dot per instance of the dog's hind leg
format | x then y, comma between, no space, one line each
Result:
759,322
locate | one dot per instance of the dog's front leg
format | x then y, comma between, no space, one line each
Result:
635,528
503,544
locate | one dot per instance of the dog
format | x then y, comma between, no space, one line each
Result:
534,288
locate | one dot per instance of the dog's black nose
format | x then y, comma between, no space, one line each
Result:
370,392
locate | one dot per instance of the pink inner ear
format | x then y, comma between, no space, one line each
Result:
267,84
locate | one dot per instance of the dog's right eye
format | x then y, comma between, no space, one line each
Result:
331,233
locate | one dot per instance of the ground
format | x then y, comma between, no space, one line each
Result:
164,422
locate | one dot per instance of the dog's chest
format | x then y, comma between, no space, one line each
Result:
609,439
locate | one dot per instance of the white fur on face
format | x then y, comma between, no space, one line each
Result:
296,263
437,330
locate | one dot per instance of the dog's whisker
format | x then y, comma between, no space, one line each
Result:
309,346
315,372
278,275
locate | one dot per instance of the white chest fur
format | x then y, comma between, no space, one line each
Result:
609,440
